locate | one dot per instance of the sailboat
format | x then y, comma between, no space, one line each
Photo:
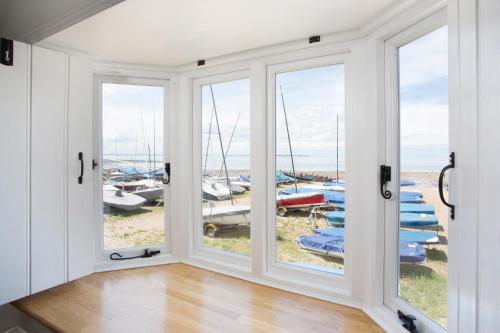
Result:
119,199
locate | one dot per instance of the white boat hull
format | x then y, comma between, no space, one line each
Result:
116,198
227,215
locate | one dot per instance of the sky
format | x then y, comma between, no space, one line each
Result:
132,118
313,99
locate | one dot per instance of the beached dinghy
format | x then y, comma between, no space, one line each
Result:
236,184
410,198
330,196
150,193
133,185
336,187
215,190
414,220
407,183
215,217
334,246
421,237
286,202
119,199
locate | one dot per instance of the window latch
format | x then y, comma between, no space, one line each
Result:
385,176
166,177
147,254
408,321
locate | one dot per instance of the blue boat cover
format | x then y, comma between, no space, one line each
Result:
339,206
334,183
407,183
409,252
421,237
245,178
130,171
408,198
333,245
405,219
330,196
417,220
335,217
412,193
416,208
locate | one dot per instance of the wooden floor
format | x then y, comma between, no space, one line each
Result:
182,298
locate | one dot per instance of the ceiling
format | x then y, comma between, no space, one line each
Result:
173,33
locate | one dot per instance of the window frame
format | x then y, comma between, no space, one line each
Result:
196,248
391,298
102,259
330,282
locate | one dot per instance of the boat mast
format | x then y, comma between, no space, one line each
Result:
289,141
221,145
208,142
154,141
337,148
229,144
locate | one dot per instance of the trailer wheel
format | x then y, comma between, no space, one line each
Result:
282,211
210,230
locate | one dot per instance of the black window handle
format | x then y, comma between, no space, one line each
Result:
80,178
385,176
166,178
440,186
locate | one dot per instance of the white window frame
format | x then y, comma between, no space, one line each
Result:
329,282
391,248
102,259
197,249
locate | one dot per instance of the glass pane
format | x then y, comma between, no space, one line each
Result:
226,166
310,168
132,155
424,152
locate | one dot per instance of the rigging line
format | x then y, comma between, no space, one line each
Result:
229,144
289,141
221,145
337,148
154,140
208,142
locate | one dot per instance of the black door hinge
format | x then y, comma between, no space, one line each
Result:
408,321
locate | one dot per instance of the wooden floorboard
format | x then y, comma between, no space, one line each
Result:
182,298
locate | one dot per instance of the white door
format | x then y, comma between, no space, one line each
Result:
418,136
132,181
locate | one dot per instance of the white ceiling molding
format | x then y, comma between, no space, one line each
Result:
30,21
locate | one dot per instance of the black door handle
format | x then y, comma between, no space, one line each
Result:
385,176
80,178
440,186
166,178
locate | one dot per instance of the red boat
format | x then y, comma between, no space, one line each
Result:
287,202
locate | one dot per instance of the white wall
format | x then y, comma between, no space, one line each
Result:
14,155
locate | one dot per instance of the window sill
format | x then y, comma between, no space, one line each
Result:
109,265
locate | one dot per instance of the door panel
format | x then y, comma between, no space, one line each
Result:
48,169
80,204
